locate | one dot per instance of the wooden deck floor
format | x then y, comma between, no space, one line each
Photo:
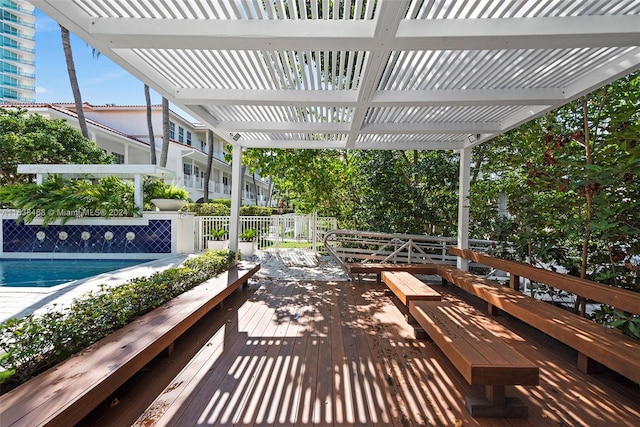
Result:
340,354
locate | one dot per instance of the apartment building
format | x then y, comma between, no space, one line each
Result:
17,51
121,130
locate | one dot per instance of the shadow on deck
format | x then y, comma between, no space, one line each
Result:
339,353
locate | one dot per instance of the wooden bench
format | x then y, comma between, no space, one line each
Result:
66,393
482,358
408,287
593,342
356,268
621,299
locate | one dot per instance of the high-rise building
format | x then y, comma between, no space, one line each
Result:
17,51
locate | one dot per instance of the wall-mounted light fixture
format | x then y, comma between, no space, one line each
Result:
235,137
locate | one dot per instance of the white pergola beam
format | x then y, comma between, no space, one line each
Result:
308,35
461,97
386,24
431,128
520,33
284,127
266,97
379,98
323,35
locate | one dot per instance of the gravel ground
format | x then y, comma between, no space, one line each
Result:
297,264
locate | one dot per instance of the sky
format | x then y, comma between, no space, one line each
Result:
101,81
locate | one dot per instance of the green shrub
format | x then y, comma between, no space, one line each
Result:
218,208
35,343
255,210
208,209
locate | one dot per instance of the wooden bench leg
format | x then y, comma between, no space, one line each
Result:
171,348
492,309
586,364
495,404
514,282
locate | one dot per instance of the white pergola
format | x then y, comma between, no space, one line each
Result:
363,74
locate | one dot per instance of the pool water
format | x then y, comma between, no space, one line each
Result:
47,273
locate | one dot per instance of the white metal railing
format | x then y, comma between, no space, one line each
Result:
347,246
277,231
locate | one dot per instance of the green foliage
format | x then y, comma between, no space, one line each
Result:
628,323
408,192
64,198
35,343
309,180
32,139
573,190
217,234
157,189
208,209
248,234
253,210
224,209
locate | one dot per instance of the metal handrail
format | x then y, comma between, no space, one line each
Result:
346,246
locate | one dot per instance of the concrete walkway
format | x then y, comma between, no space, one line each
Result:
293,264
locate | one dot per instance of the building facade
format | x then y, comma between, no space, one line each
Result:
17,51
122,132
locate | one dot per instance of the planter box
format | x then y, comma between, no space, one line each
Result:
169,204
217,244
248,248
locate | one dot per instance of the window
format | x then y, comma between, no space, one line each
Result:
188,138
118,159
187,169
172,130
180,134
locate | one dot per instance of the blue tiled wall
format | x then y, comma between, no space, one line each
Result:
154,238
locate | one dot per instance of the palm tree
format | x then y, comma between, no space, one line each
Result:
165,132
207,172
71,69
152,140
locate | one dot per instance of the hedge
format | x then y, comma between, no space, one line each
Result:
35,343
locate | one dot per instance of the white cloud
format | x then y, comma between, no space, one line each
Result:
113,75
42,90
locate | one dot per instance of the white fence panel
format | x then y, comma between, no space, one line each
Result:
291,231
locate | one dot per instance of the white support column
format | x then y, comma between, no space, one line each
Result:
236,194
463,205
138,198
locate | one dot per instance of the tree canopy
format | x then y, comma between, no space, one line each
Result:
30,138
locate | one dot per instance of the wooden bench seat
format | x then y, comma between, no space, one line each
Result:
66,393
408,287
592,341
481,357
356,268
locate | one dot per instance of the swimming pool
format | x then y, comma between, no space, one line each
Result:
48,273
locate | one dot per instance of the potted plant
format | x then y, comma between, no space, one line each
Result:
248,245
165,197
216,239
